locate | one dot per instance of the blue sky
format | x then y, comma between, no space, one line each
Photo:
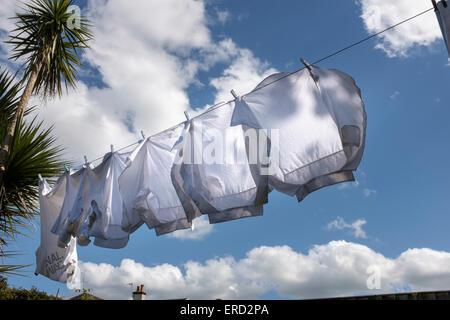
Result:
188,54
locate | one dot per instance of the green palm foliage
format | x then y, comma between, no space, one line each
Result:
50,36
9,269
33,152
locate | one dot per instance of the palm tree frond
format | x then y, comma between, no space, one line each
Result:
33,151
45,30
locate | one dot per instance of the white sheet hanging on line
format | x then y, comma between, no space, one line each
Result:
53,262
147,189
213,175
443,16
321,124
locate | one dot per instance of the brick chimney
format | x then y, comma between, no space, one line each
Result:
139,294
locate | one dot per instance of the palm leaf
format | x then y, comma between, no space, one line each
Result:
42,32
9,268
33,152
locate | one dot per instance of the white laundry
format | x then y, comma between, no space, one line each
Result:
315,123
213,175
443,16
235,213
321,127
71,213
103,203
53,262
92,206
146,186
343,96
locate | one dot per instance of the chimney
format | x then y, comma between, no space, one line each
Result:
139,294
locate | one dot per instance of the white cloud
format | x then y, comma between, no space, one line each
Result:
338,268
175,24
355,227
243,75
354,184
368,192
7,10
147,55
201,228
360,183
378,15
394,95
223,16
82,124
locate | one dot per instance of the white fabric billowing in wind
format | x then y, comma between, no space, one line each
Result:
93,206
53,262
316,123
103,204
65,226
343,97
309,140
147,189
213,175
443,16
320,123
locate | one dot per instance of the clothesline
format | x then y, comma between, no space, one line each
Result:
287,75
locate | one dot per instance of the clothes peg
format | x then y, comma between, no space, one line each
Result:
40,177
143,135
186,114
112,149
85,160
234,94
66,168
434,5
308,66
444,3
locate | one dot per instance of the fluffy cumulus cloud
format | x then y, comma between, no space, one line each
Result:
143,59
134,52
338,268
7,10
242,75
378,15
82,124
